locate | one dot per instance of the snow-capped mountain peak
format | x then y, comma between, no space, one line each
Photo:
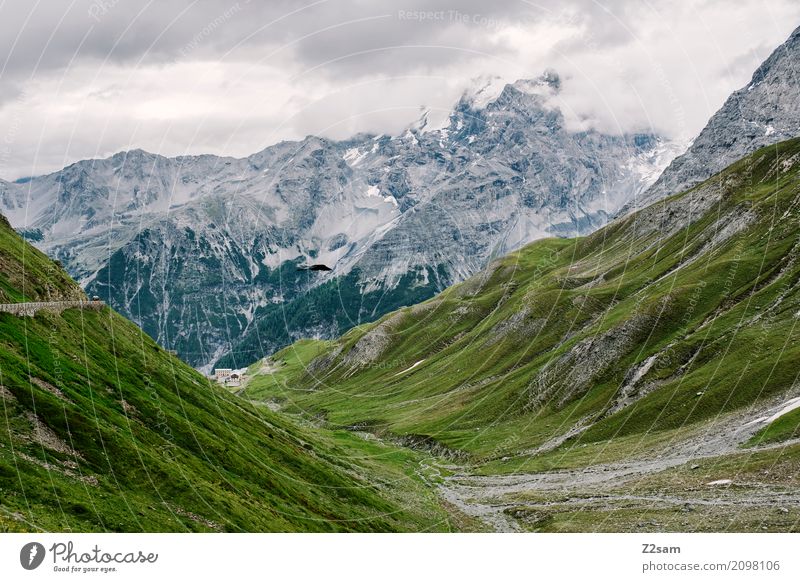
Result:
202,250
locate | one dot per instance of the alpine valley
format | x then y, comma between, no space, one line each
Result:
497,324
643,378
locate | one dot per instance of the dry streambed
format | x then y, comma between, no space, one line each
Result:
645,485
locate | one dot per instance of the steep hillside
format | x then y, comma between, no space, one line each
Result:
102,430
764,112
26,274
200,251
639,337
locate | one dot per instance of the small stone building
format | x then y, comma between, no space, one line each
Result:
222,374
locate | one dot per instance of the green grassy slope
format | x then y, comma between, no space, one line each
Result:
26,274
102,430
635,335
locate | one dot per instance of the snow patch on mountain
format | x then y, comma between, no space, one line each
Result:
483,90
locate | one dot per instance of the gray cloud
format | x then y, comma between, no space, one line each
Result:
231,76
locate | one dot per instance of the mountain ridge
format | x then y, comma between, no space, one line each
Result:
763,112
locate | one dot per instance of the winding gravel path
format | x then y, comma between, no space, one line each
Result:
32,308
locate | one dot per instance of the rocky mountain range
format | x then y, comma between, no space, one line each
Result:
204,252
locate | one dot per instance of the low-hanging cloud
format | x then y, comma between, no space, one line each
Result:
90,78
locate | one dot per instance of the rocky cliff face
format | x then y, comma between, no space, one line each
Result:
764,112
200,250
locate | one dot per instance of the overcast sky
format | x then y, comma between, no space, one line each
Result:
82,79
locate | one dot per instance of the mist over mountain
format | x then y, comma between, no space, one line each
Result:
764,112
